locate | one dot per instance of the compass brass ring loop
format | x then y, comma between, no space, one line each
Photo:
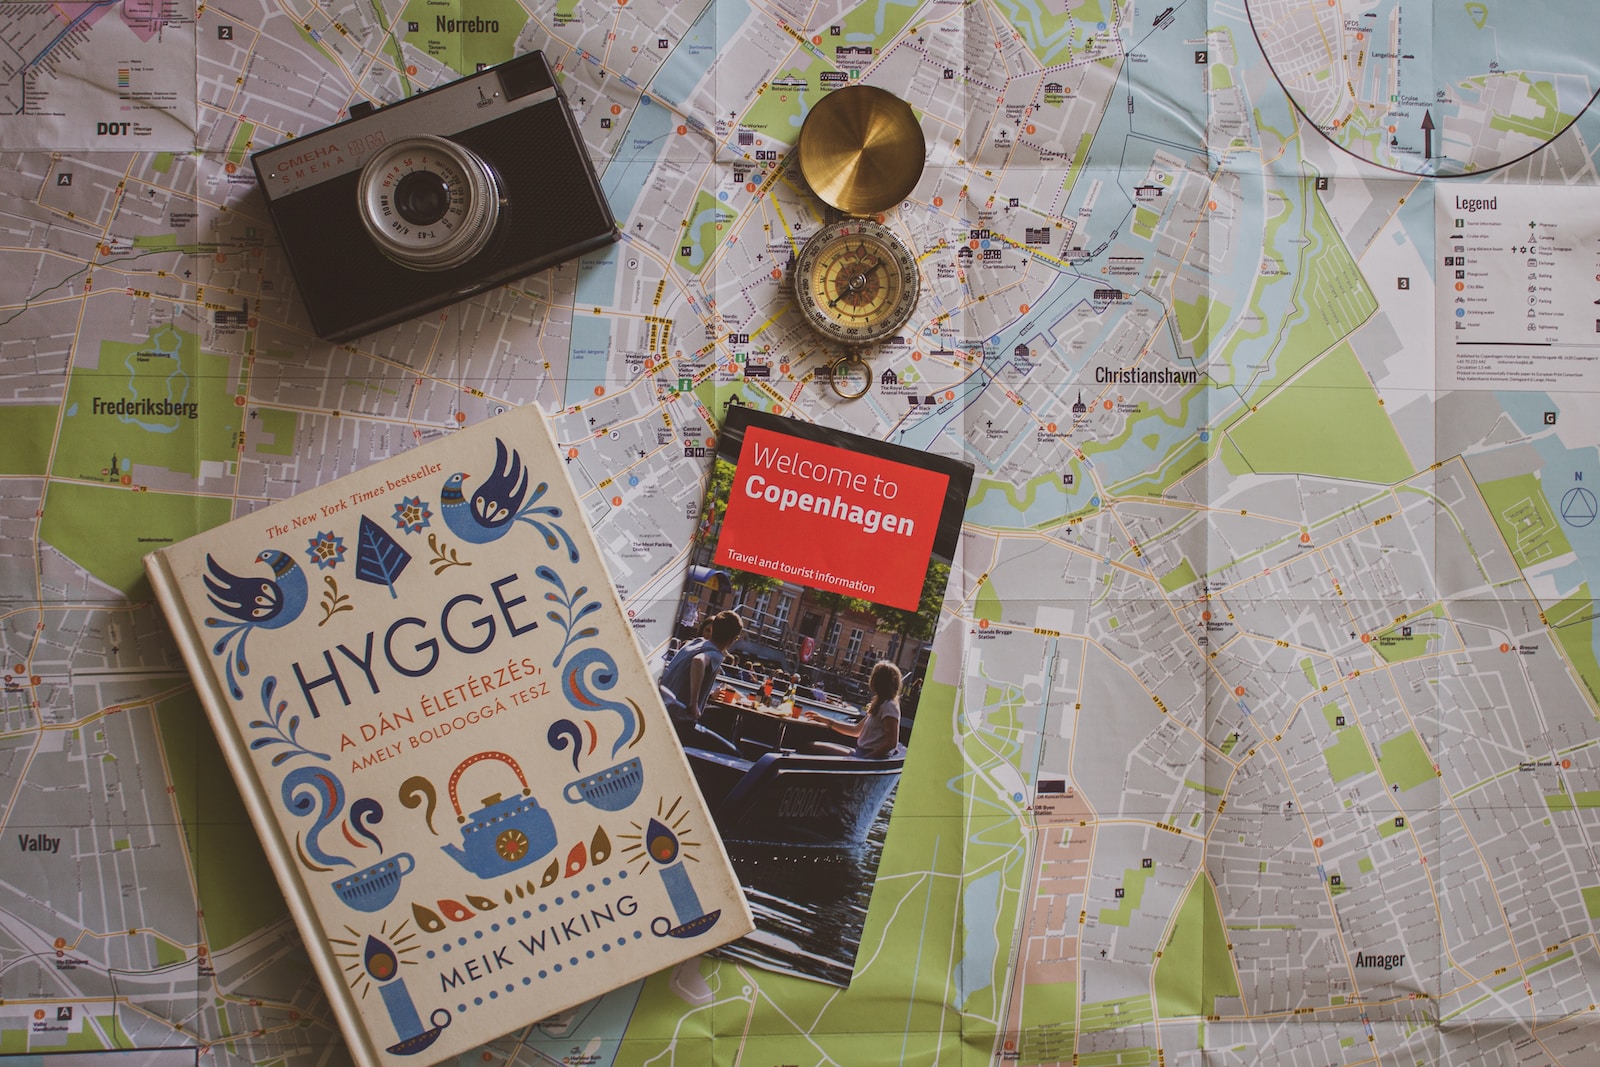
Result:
836,371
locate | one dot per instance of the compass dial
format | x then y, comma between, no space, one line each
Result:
855,282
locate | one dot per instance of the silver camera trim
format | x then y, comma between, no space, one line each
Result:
318,157
469,218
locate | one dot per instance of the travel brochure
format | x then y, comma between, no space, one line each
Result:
832,552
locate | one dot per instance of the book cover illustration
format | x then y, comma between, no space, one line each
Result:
833,552
448,740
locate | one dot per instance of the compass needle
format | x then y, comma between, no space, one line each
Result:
861,275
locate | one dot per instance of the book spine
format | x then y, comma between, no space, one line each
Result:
279,855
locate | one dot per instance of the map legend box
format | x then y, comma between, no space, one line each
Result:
1519,270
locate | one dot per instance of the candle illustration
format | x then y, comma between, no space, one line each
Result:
662,845
383,967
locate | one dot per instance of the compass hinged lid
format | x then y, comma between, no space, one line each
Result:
861,149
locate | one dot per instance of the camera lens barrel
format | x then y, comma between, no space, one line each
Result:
422,198
428,203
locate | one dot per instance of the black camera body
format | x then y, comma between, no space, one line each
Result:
401,210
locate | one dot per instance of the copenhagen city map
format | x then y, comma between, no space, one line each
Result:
1262,723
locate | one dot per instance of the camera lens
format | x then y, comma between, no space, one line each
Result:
422,198
429,203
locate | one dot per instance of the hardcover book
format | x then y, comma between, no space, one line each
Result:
833,551
446,736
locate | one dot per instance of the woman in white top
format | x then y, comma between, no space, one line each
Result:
877,733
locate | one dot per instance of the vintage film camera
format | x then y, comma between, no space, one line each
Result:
404,209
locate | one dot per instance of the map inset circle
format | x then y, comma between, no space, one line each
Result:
1443,90
1578,507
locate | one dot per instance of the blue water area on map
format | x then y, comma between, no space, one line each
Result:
1570,479
1573,93
1570,577
649,132
1167,109
1526,410
597,278
707,38
980,906
1550,43
591,349
1564,470
589,362
697,225
1552,35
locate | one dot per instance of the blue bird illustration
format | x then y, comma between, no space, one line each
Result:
498,504
252,602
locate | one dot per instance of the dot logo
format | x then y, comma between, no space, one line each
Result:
111,129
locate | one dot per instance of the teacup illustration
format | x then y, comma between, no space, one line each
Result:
609,790
374,888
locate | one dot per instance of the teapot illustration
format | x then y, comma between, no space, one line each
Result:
503,835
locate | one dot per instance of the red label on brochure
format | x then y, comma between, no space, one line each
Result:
829,518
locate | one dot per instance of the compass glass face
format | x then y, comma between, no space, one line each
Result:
855,282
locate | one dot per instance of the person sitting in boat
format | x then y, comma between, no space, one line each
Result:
877,732
691,675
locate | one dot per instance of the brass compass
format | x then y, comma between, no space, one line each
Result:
855,283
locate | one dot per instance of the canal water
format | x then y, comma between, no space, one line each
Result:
810,904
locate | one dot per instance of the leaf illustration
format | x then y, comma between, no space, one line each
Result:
380,559
568,620
444,557
290,739
333,601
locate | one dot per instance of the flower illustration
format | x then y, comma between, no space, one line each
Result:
326,550
412,514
